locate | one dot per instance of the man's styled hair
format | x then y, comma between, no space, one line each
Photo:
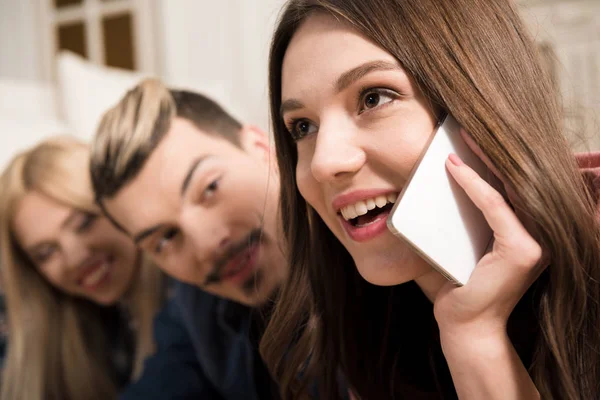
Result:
130,131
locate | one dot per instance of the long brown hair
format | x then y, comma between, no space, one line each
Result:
56,346
475,60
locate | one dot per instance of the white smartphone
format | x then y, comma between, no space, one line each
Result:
434,214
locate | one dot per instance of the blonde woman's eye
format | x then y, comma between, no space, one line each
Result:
44,254
86,222
373,98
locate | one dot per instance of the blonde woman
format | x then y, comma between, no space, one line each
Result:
80,297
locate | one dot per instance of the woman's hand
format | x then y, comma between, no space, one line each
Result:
503,275
472,318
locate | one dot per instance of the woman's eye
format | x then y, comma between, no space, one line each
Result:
165,239
44,254
376,97
86,222
301,128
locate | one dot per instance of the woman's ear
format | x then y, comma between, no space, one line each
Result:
256,142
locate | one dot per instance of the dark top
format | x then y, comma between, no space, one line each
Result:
207,348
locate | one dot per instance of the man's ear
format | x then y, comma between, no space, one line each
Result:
256,141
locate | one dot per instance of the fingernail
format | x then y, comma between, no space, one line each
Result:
454,159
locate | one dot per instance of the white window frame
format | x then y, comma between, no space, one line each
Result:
91,13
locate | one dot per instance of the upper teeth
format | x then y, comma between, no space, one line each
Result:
361,207
97,275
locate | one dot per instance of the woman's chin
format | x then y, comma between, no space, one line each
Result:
390,271
106,301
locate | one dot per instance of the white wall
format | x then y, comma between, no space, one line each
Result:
572,30
19,54
224,42
220,47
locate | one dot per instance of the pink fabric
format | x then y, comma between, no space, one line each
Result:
589,163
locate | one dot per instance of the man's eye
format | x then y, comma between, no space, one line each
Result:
210,190
165,240
373,98
301,128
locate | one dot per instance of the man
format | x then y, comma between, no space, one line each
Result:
196,191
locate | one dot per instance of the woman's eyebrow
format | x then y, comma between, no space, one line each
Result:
351,76
290,105
346,79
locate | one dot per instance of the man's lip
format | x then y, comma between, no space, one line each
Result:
343,200
240,264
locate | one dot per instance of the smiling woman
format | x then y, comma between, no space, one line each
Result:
356,89
69,273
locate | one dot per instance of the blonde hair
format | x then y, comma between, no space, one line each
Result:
130,131
54,350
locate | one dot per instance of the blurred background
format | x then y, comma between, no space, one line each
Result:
63,62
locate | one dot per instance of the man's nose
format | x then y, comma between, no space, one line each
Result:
206,233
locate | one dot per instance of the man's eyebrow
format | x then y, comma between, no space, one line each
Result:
190,173
344,80
146,232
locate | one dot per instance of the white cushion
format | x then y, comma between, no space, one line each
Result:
28,99
18,134
87,91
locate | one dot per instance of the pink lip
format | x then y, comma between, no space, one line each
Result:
343,200
91,265
248,257
99,284
365,233
368,232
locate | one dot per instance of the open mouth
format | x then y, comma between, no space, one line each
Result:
95,271
365,212
371,216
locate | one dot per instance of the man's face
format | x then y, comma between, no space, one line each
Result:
203,209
